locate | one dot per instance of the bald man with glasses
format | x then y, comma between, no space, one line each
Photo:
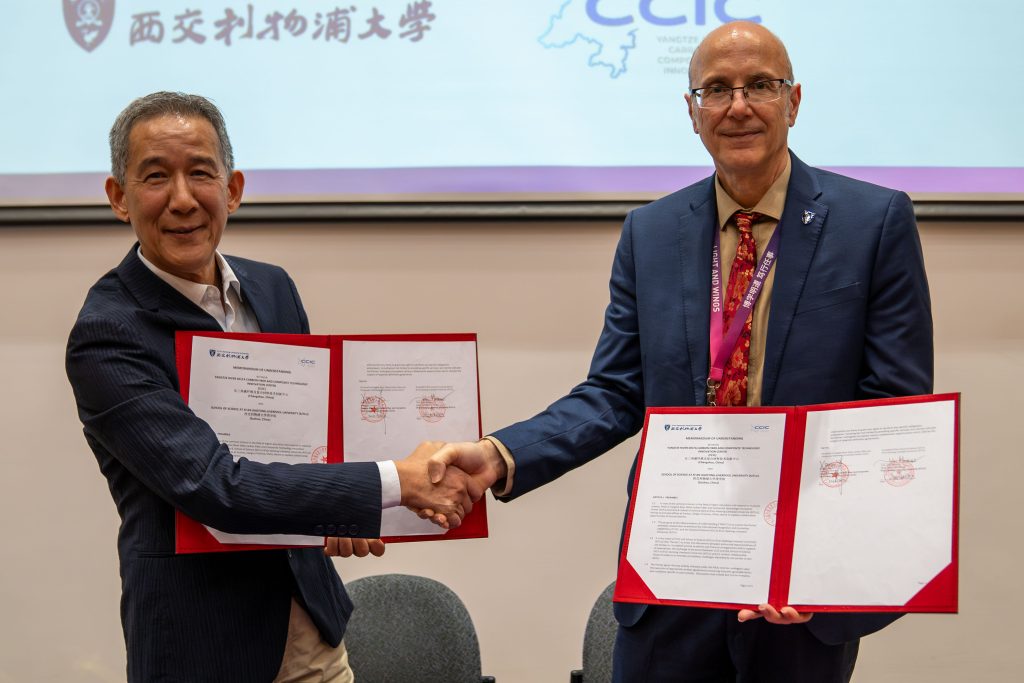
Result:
841,314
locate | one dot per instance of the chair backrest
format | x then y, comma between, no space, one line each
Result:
599,639
410,628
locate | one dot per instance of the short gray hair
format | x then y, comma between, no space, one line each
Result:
164,104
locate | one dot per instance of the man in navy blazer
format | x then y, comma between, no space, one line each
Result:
844,315
232,616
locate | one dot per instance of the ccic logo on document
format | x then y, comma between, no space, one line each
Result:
88,21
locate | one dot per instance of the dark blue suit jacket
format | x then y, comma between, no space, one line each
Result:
850,319
208,617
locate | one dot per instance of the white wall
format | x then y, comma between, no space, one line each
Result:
535,292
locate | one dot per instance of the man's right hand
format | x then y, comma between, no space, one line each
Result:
479,460
449,495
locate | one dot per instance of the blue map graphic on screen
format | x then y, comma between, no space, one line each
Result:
609,43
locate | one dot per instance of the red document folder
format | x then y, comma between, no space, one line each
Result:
660,568
193,537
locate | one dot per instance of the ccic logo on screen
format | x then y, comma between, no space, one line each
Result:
611,30
88,21
237,355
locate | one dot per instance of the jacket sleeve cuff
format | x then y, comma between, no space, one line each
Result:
503,487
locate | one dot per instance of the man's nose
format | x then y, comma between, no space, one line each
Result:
182,198
738,105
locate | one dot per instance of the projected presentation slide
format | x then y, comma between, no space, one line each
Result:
394,100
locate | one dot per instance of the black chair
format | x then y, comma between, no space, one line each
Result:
598,641
410,629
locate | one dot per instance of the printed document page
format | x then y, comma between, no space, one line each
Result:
874,522
703,522
267,402
399,393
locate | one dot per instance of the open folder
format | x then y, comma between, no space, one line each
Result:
846,507
328,399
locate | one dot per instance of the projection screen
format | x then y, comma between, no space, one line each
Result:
391,100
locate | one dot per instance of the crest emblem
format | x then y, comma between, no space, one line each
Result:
213,352
808,217
88,21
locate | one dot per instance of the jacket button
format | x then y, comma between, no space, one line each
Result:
331,529
353,530
318,530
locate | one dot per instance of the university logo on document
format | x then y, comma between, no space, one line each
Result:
88,21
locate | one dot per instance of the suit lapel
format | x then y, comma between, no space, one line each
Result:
255,297
798,243
697,232
153,294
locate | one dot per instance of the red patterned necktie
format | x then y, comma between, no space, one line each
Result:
733,390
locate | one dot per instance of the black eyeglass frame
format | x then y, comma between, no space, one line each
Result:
697,92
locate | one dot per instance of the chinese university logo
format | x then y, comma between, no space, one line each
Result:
88,21
237,355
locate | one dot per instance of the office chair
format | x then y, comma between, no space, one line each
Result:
410,629
598,641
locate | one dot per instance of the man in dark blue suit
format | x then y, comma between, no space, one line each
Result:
843,314
234,616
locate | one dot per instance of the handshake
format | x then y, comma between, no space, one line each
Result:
441,481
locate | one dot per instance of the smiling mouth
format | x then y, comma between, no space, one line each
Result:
182,231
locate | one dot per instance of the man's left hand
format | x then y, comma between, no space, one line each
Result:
347,547
784,616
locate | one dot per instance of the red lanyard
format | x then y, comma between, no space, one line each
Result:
723,344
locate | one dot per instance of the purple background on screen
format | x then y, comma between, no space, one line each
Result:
642,181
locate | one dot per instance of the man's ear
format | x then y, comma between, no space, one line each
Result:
115,195
691,109
236,183
795,95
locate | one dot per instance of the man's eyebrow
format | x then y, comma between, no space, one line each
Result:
714,79
157,160
202,159
150,161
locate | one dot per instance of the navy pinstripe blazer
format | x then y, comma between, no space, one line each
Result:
219,616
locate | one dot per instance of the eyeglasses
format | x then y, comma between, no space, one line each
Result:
758,92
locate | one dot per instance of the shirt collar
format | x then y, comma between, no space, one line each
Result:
194,291
771,204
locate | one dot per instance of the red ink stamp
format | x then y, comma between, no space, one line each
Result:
770,511
898,472
431,408
319,455
834,474
373,409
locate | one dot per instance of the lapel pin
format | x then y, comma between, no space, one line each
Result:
808,217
